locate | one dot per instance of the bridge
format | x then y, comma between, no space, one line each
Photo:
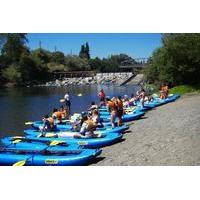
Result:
136,67
73,74
139,64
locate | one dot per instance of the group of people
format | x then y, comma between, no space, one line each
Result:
90,120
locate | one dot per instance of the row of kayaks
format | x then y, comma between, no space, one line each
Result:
61,148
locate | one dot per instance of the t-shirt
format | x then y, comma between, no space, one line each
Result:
66,97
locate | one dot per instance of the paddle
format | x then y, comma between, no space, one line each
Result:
18,139
78,95
29,123
53,143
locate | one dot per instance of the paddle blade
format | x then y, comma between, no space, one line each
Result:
28,123
50,134
20,163
62,100
56,142
16,141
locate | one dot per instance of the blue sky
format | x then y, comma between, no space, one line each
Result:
101,44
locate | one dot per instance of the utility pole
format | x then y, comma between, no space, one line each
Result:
40,44
55,48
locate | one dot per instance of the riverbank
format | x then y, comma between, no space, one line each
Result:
98,79
167,135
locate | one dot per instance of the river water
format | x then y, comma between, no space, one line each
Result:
18,105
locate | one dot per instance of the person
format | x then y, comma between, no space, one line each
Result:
112,107
87,128
164,90
64,111
67,101
126,101
102,97
57,114
132,100
120,110
142,96
96,119
93,106
48,124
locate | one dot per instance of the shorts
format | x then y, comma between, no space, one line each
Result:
68,103
120,113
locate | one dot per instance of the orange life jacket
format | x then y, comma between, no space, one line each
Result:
58,114
120,104
112,106
90,124
51,121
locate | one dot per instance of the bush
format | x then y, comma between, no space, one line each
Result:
12,74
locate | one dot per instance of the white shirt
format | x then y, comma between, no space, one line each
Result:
66,97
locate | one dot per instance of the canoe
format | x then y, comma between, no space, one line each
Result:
104,140
43,156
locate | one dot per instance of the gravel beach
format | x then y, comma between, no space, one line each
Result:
167,135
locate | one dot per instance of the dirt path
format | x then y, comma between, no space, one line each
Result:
168,135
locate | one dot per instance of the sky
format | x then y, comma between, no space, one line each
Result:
136,45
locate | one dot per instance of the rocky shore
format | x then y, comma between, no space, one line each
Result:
100,78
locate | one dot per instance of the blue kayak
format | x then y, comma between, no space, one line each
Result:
44,155
104,140
68,127
126,117
26,143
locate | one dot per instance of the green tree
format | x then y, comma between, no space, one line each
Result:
75,63
82,52
87,50
12,74
41,56
58,57
177,61
14,45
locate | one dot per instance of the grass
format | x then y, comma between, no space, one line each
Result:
184,89
181,89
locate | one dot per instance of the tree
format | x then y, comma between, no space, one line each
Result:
82,52
14,46
85,51
58,57
177,61
12,74
41,56
75,63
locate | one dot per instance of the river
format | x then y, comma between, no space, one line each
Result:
18,105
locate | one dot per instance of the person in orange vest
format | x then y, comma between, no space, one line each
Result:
57,115
96,119
65,112
112,107
120,110
87,128
164,90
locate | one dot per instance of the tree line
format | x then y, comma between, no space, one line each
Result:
177,61
19,64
